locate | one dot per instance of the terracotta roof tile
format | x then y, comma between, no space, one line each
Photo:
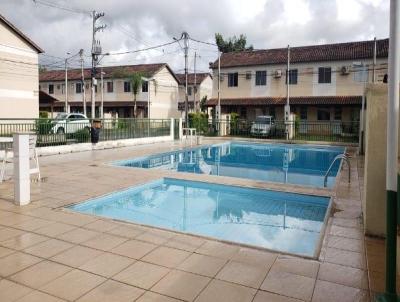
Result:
199,78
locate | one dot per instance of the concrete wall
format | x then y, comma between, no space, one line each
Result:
19,76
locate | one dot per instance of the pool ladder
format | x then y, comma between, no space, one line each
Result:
345,157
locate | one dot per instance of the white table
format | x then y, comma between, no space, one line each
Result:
191,132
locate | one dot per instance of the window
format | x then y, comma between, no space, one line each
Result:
292,76
110,87
324,75
360,76
189,90
243,112
58,87
338,114
145,86
261,78
127,86
233,79
272,112
78,88
303,113
62,88
51,89
323,114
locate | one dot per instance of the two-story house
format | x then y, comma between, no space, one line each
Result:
159,90
199,87
19,73
326,82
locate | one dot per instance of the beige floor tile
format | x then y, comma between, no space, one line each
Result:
181,285
155,236
254,256
40,274
5,251
23,241
353,245
78,235
76,256
263,296
107,264
354,233
295,265
134,249
185,242
104,242
33,224
16,262
55,229
127,231
290,285
345,258
218,249
14,219
202,265
243,273
37,296
7,233
72,285
112,291
344,275
101,226
166,256
349,223
142,274
48,248
332,292
153,297
11,291
226,292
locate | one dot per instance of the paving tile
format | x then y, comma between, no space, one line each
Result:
127,231
353,245
344,275
181,285
78,235
153,297
185,242
202,265
107,264
16,262
222,291
155,236
263,296
76,256
354,233
112,291
349,223
11,291
33,224
166,256
345,258
23,241
290,285
7,233
254,256
218,249
295,265
243,273
134,249
5,251
72,285
48,248
37,296
332,292
55,229
104,242
142,274
101,226
14,219
39,274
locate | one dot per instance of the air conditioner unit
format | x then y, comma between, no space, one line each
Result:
248,75
345,70
221,78
278,73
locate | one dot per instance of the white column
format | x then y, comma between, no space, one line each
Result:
172,129
22,192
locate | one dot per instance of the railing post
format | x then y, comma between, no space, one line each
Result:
172,129
22,183
180,129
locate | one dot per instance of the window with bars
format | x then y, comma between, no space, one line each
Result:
324,75
78,88
261,78
233,79
110,87
145,86
292,76
127,86
51,89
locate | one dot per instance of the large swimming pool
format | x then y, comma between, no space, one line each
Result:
284,163
280,221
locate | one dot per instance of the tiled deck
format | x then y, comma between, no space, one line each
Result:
48,253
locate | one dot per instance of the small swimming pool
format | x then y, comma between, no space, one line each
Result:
284,163
280,221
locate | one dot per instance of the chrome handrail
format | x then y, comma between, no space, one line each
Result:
340,156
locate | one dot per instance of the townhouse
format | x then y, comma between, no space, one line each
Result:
326,82
19,73
157,98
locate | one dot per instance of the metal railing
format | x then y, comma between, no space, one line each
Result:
345,157
53,132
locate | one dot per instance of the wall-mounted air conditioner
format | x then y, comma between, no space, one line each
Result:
248,75
345,70
278,73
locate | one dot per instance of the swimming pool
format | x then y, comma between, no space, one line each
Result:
284,163
280,221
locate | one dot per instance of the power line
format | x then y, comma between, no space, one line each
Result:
62,7
140,50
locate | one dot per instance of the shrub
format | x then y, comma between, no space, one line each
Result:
43,126
82,135
198,120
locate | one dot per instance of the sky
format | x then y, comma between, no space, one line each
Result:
133,24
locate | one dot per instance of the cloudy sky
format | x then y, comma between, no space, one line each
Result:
133,24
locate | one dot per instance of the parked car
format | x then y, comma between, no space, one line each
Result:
263,126
69,123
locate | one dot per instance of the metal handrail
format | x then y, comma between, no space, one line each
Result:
340,156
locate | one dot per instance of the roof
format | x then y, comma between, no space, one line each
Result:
46,98
20,34
296,100
303,54
200,77
148,70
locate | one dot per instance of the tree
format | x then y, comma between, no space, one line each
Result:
232,44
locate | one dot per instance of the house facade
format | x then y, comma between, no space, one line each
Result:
326,82
159,90
19,73
199,86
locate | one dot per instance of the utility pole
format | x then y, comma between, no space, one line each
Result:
96,51
374,63
83,83
185,37
195,87
102,93
218,113
287,107
66,86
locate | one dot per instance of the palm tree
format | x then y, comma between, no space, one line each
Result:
136,80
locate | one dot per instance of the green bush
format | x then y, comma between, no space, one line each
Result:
234,123
198,120
43,126
82,135
43,114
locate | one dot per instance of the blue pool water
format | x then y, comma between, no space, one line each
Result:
276,220
295,164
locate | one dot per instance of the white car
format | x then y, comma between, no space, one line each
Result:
262,125
69,123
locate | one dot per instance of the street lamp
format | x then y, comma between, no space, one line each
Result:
364,80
